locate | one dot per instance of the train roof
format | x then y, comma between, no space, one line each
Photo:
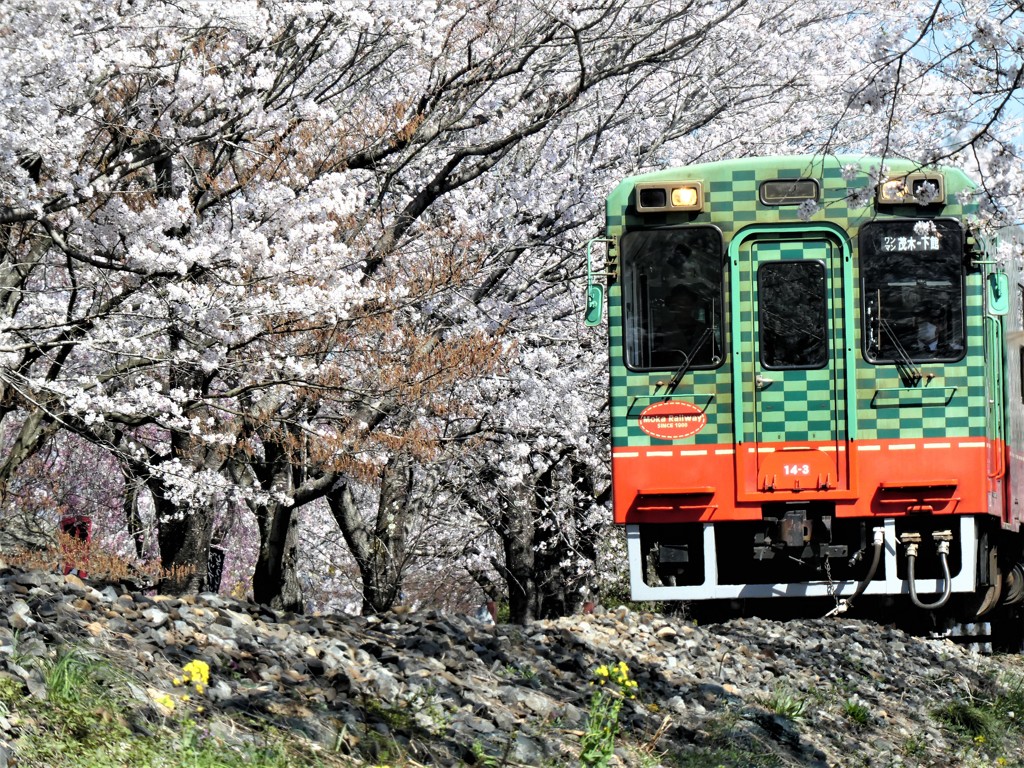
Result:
851,170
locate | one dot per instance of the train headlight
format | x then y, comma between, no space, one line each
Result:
686,197
920,188
892,191
669,196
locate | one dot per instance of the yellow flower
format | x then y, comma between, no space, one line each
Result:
197,671
618,675
165,701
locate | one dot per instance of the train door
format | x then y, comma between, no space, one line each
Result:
793,388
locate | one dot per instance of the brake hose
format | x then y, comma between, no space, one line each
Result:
942,539
843,605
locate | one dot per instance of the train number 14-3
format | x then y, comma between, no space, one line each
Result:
797,469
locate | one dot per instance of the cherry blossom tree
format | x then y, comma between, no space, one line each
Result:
296,254
944,84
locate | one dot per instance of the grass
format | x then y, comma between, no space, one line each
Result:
89,719
70,675
970,719
727,757
114,746
856,712
787,704
987,719
915,746
727,747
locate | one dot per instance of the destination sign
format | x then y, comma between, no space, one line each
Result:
909,243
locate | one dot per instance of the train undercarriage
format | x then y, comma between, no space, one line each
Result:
959,576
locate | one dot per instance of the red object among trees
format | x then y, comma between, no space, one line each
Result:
74,544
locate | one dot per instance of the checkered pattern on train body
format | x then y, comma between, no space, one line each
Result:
731,195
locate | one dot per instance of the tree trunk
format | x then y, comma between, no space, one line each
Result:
32,433
520,559
558,587
184,536
379,552
131,513
275,579
537,539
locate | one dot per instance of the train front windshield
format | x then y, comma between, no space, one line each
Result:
913,288
672,297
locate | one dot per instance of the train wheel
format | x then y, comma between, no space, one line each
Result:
705,612
1007,623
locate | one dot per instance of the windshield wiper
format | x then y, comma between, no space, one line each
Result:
908,371
688,360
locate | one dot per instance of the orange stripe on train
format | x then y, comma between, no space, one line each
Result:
865,479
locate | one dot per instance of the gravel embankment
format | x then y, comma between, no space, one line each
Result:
451,690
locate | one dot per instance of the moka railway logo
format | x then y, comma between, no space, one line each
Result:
672,420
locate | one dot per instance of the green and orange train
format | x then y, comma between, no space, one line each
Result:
815,386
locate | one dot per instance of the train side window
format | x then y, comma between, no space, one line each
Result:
672,298
912,287
1020,381
792,314
1019,314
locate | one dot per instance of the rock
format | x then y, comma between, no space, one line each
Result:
18,621
218,690
37,686
75,584
535,702
155,616
108,594
437,684
528,750
666,633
